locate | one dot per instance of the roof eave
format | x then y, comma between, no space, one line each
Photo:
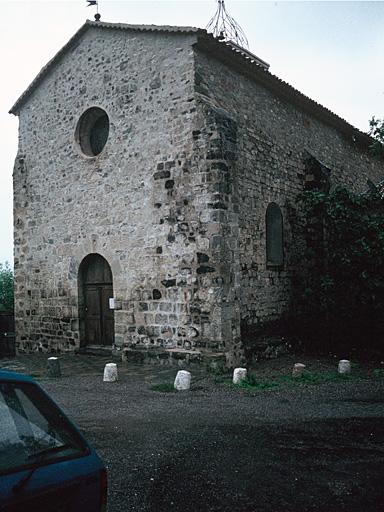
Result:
96,24
246,66
227,54
45,70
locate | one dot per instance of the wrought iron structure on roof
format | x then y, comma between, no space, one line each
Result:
225,28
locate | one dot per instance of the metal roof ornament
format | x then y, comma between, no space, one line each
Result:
225,28
96,3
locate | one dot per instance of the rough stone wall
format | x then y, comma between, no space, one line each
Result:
273,137
175,202
216,150
140,203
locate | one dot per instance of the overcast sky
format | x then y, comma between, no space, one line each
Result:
331,51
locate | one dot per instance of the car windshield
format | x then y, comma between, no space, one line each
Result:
32,429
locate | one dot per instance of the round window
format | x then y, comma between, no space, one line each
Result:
92,131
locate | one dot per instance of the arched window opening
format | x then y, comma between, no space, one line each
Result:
274,236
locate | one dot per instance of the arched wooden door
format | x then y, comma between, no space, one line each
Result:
95,290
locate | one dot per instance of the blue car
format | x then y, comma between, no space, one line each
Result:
46,465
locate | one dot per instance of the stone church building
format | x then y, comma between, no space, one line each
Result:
152,185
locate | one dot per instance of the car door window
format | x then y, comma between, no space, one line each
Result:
32,429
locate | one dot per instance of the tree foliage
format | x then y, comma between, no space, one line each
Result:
376,130
6,287
340,288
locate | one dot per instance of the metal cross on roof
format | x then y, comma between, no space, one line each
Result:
224,27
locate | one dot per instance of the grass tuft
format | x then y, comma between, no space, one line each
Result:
315,377
307,378
251,383
35,375
164,387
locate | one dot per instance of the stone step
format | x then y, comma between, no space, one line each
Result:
95,350
173,356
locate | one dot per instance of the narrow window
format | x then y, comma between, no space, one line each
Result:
274,235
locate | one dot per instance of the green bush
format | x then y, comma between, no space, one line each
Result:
6,287
376,130
339,291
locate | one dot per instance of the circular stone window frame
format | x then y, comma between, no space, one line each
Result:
84,127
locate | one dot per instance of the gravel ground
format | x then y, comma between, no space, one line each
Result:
296,447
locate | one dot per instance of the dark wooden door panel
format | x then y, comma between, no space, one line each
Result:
107,315
92,315
97,290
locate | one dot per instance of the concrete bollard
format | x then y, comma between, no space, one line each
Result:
298,369
239,374
344,366
110,372
182,381
53,367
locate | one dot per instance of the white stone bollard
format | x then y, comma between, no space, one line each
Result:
344,366
110,372
298,369
239,374
53,367
183,380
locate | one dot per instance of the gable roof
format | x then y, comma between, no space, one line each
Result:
240,60
231,54
76,36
